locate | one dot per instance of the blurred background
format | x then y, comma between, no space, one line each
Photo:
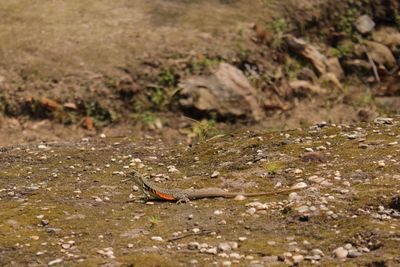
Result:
185,70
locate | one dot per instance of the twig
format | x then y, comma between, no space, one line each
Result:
374,69
205,232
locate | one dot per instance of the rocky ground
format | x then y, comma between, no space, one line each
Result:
199,94
75,206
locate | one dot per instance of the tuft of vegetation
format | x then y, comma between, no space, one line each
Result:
154,220
278,27
274,167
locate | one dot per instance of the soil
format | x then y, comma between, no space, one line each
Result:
88,92
74,202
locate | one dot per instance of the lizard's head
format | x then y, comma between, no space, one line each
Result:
136,178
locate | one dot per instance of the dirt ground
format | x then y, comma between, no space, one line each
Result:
87,91
72,203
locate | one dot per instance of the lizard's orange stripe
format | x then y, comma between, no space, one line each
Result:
164,196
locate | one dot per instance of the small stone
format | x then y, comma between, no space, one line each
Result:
298,171
240,198
303,209
317,251
212,251
130,245
383,120
300,185
269,259
196,230
242,238
313,157
226,263
102,135
348,246
251,210
193,246
271,243
381,163
235,255
354,253
341,253
54,262
294,196
218,212
157,238
298,258
215,174
364,24
224,247
34,237
66,246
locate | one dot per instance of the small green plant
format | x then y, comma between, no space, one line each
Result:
167,78
343,50
3,104
99,114
147,118
154,220
203,129
397,18
279,27
346,21
203,65
272,168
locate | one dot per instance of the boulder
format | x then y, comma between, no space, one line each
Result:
380,54
227,92
388,36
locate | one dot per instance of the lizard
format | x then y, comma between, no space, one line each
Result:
152,191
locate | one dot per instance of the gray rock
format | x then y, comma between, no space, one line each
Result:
354,253
364,24
269,259
227,92
224,247
193,245
341,253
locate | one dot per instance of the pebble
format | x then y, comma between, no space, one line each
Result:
270,259
215,174
212,251
193,246
226,263
235,255
348,246
242,238
297,171
251,211
317,251
240,198
364,24
218,212
303,209
300,185
341,252
157,238
354,253
224,247
298,258
54,262
294,196
196,230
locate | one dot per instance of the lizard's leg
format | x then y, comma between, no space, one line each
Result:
183,200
